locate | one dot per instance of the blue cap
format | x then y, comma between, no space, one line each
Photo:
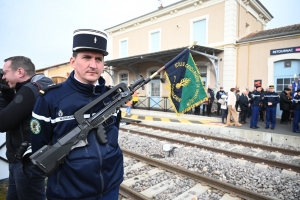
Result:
90,40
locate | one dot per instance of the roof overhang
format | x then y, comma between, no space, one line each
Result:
161,57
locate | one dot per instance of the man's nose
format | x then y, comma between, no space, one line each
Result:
93,63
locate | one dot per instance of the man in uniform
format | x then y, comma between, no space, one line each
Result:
254,101
92,169
271,99
296,110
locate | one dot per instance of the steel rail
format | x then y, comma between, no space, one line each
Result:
254,159
130,193
248,144
229,188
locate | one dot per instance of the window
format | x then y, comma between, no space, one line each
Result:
282,83
124,78
199,32
155,42
123,48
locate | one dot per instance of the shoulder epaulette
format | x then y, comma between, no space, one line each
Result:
49,87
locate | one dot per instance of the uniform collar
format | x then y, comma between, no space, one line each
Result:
86,88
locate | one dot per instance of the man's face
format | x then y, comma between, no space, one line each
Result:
271,89
258,89
88,66
221,89
10,76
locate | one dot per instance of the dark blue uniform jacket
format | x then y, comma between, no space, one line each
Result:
256,98
296,103
88,171
272,97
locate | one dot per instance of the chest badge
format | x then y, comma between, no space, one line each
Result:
60,113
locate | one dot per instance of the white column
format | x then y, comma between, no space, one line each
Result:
230,37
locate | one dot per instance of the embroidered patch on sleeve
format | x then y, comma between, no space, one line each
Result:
35,126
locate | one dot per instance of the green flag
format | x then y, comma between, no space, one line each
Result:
187,90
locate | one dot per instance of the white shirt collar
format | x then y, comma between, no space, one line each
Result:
95,84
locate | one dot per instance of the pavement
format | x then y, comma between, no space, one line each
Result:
282,134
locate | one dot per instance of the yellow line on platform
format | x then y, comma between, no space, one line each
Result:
185,121
148,118
165,119
134,116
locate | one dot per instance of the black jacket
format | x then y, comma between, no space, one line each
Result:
16,116
219,94
243,102
285,103
212,95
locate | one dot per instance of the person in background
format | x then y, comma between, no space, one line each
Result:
93,169
231,108
249,113
128,108
25,181
271,99
244,105
296,110
237,94
262,107
211,99
285,105
218,96
135,98
224,107
255,100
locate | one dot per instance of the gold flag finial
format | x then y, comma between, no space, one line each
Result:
195,42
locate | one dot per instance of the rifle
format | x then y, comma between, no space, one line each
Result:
48,158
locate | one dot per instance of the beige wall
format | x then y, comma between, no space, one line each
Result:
253,25
62,70
253,60
171,35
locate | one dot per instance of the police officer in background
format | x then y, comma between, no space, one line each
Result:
92,169
256,98
271,99
25,181
296,110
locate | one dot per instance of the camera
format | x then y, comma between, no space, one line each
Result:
24,146
3,84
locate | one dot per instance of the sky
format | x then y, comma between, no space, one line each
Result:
42,29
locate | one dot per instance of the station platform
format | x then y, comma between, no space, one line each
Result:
282,134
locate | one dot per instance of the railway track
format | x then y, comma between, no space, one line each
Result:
202,183
149,132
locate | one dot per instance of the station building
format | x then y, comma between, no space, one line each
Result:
233,47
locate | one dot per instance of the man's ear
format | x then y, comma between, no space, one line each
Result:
21,72
72,61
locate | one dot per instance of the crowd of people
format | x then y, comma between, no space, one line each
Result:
260,104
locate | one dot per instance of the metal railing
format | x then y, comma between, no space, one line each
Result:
162,104
154,103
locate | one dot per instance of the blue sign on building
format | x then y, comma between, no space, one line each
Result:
285,50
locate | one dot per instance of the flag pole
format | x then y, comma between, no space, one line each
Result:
164,67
